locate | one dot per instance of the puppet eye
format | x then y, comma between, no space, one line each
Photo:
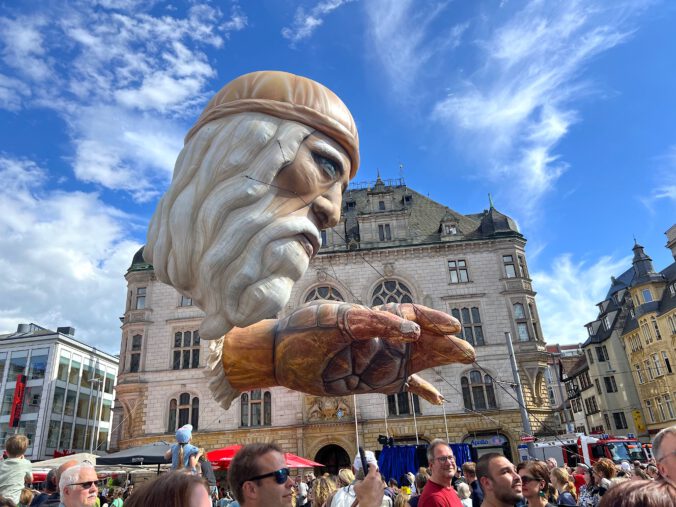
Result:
332,168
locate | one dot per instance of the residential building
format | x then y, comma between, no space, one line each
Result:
56,390
580,397
392,245
613,405
561,359
649,336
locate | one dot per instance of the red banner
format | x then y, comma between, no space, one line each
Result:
17,402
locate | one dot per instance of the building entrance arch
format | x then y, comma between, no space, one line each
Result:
333,457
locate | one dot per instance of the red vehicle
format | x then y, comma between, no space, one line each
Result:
616,448
573,448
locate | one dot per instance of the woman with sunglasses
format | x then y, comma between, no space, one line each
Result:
535,485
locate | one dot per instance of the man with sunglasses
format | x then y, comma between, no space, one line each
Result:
664,450
438,491
78,486
258,476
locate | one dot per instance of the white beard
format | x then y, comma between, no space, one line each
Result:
215,236
257,284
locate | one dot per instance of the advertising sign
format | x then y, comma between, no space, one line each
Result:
17,402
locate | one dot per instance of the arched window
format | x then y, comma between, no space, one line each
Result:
478,392
256,408
391,291
324,292
183,410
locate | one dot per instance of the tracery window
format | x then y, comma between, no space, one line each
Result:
470,319
183,410
391,291
400,404
256,408
186,350
324,292
478,392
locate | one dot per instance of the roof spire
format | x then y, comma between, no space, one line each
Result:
490,201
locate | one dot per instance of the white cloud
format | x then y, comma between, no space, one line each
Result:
124,81
399,30
510,96
62,255
568,293
306,22
666,186
512,111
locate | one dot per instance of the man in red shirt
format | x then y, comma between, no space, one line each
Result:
438,491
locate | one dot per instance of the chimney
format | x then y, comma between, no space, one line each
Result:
23,328
70,331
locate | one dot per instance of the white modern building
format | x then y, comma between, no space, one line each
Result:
56,390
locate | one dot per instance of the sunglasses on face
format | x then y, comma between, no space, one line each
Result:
84,485
281,476
525,479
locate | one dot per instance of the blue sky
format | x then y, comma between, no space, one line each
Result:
563,111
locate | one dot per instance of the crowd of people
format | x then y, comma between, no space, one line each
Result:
258,477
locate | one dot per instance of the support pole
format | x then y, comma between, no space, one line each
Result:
443,407
387,432
519,394
415,421
356,428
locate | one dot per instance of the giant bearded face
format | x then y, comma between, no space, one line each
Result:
250,193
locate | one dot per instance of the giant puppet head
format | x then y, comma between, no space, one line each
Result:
261,173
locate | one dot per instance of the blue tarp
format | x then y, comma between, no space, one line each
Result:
395,461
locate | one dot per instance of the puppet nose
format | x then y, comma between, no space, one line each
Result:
327,207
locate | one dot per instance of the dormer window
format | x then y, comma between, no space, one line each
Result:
647,296
384,232
606,323
450,229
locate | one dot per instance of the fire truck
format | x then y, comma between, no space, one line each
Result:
573,448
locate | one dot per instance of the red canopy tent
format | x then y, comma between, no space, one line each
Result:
222,457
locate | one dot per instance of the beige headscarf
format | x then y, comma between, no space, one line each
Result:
289,97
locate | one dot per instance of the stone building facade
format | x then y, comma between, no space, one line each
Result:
628,384
392,245
649,336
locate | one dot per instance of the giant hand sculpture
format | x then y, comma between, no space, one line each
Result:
329,348
261,173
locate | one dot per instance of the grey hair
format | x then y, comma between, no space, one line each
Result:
670,430
71,475
463,490
433,445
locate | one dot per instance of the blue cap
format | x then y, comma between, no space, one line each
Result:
184,434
